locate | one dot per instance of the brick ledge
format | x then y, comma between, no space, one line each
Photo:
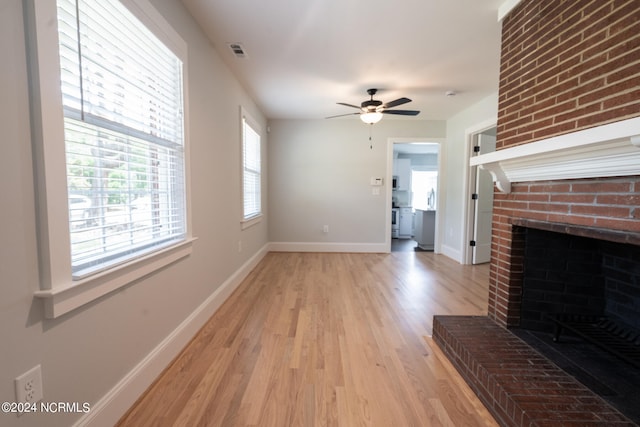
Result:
518,386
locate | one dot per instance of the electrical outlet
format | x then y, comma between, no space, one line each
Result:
325,229
29,386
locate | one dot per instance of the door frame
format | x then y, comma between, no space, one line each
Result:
467,206
441,178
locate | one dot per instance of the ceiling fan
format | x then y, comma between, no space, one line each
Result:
371,110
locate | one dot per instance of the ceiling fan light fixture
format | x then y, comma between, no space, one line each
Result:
371,110
371,117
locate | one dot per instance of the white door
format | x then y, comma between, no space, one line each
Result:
483,204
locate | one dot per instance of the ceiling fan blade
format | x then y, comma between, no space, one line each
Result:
395,103
401,112
349,105
343,115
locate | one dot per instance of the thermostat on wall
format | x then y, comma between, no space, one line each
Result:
376,181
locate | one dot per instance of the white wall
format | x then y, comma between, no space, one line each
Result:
85,353
320,173
457,165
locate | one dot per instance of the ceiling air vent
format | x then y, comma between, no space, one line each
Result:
238,50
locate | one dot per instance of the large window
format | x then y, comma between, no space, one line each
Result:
251,170
123,144
122,98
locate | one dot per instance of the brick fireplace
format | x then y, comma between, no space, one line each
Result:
540,230
603,208
567,161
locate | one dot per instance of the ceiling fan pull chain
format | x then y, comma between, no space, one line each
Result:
370,132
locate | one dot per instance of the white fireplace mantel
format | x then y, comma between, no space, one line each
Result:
603,151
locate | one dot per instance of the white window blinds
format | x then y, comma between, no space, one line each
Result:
122,99
251,170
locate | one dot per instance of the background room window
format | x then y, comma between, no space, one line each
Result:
122,100
110,146
251,169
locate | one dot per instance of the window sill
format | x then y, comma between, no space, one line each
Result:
64,299
246,223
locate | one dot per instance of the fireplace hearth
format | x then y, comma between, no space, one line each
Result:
580,307
555,271
519,384
602,372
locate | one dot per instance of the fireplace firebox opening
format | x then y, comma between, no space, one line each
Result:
580,307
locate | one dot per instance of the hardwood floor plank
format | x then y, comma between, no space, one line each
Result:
321,339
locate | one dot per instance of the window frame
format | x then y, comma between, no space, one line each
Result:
247,222
60,293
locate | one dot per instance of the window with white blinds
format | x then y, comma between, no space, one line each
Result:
251,175
123,126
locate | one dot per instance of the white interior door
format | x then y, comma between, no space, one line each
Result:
483,204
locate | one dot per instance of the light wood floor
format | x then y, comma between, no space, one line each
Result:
324,339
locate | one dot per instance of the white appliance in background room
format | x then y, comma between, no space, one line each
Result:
395,223
405,229
402,214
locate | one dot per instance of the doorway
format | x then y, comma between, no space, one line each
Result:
414,170
480,200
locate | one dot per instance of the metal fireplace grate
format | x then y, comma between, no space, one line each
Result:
601,331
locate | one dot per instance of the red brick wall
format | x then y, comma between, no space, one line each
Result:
566,65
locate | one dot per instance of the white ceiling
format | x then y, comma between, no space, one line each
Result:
304,56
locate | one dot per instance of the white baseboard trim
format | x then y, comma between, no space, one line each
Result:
328,247
452,253
113,405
